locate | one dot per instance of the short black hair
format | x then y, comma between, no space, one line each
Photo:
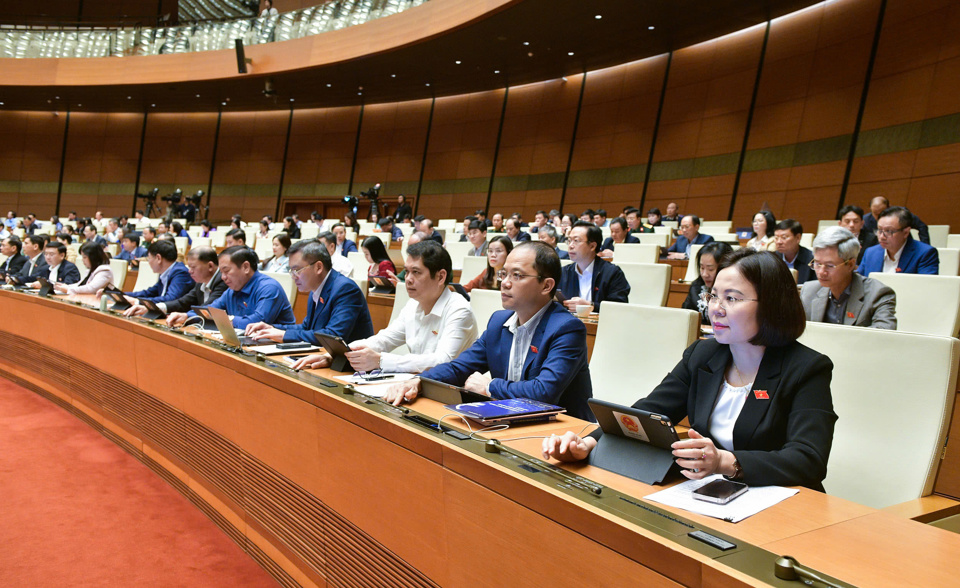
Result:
588,212
328,235
132,238
789,224
904,216
165,248
239,254
385,221
780,315
619,221
203,254
601,212
546,262
14,241
434,257
469,218
312,252
152,230
694,219
478,225
237,234
655,211
60,247
594,234
771,222
718,249
206,223
848,209
38,240
631,210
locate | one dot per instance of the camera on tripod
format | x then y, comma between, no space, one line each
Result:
173,198
150,196
196,199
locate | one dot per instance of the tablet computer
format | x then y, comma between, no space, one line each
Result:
448,393
337,348
120,302
633,423
635,443
46,288
153,311
382,285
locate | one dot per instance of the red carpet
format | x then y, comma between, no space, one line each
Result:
76,510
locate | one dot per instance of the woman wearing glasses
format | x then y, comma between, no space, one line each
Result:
758,401
497,251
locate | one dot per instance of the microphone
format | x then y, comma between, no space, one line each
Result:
788,568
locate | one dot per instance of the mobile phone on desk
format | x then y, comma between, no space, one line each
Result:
294,346
720,491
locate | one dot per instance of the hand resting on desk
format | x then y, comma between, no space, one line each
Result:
313,361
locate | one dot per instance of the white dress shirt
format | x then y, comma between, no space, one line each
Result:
586,281
432,338
342,265
522,336
54,273
726,412
890,265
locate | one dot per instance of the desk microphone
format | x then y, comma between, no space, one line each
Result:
788,568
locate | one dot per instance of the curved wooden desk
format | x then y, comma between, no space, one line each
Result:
323,487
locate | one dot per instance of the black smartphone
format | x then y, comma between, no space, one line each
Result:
295,357
720,491
293,346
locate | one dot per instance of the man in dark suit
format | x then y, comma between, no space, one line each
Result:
58,270
619,233
387,225
203,268
477,235
10,247
534,349
787,236
514,233
688,234
879,204
549,235
30,224
174,278
131,249
840,295
336,307
90,234
851,218
344,245
466,228
898,252
426,227
35,265
590,279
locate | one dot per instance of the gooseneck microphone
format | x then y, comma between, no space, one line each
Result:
788,568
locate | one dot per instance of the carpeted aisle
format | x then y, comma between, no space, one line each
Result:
76,510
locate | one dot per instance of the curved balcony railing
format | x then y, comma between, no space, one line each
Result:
18,42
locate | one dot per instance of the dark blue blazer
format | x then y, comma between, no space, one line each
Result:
40,269
13,264
609,283
348,247
99,241
523,236
609,244
555,370
138,253
179,283
67,274
341,312
563,254
680,246
917,258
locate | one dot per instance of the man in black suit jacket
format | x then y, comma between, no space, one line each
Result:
787,236
11,248
590,279
58,270
205,271
514,232
851,218
90,234
35,265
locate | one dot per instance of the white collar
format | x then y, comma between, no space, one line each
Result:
513,323
589,269
316,293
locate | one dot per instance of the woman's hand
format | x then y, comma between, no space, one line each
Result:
567,447
698,457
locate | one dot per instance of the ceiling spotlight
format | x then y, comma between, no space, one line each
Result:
496,71
428,84
393,75
525,43
570,53
79,105
564,78
598,17
129,97
458,62
329,85
530,54
198,95
1,103
291,100
56,97
223,104
650,28
153,106
359,93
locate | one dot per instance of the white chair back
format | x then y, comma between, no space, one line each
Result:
726,237
636,347
309,230
715,227
806,240
83,271
660,239
264,248
915,234
360,265
113,249
251,235
399,301
218,238
201,242
693,270
949,261
458,251
484,303
472,267
649,283
181,243
636,253
872,409
663,230
384,237
938,235
671,224
825,223
447,224
286,280
565,262
361,281
119,269
953,241
925,304
146,277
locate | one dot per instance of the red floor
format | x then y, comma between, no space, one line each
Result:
76,510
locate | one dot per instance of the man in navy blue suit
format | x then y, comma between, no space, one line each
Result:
590,279
58,269
344,245
336,307
898,252
534,349
174,281
514,233
131,248
796,256
548,234
619,233
688,234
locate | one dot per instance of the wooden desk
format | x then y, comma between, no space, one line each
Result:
381,306
323,488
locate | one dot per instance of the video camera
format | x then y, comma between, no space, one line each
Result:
196,199
150,196
173,198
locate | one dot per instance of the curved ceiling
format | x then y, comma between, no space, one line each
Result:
524,41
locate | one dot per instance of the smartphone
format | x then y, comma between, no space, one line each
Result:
292,346
720,491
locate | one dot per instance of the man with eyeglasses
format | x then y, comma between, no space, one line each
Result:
534,349
336,307
898,252
202,265
590,279
840,295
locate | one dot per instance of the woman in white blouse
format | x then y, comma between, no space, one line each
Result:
764,225
100,276
279,262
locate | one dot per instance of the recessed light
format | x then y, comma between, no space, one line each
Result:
598,17
79,105
525,43
530,54
428,84
359,93
153,105
393,75
458,62
1,103
650,28
56,97
496,71
129,97
223,104
198,95
329,85
291,100
570,53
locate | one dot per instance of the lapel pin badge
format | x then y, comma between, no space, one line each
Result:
533,348
849,314
761,395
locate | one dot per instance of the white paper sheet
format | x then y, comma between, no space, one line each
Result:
754,500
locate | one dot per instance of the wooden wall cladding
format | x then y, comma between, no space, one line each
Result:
460,153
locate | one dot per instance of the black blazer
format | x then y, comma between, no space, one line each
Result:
194,296
867,240
781,440
67,274
13,264
805,273
609,283
41,269
692,301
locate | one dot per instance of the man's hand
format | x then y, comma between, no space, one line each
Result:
404,391
605,254
477,383
254,327
571,303
176,318
268,334
567,447
137,310
392,277
676,255
313,361
362,358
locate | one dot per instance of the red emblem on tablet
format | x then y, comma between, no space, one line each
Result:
761,395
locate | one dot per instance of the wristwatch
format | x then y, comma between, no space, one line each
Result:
737,470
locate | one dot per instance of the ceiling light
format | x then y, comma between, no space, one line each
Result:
393,75
223,104
428,84
1,103
570,53
525,43
198,95
598,17
129,97
496,71
359,93
79,105
56,97
329,85
153,105
650,28
458,62
291,100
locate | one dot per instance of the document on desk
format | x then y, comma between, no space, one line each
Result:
757,499
377,388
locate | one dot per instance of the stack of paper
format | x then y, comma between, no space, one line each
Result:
756,499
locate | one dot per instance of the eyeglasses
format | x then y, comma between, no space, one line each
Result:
516,276
887,232
725,302
371,375
829,267
298,271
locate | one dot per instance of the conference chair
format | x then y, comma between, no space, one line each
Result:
113,249
949,261
309,230
384,237
399,302
182,244
915,234
560,246
693,270
471,267
893,418
458,251
484,303
806,240
81,268
447,224
182,221
405,230
715,227
146,277
925,304
264,248
663,230
649,283
565,262
119,268
636,347
251,234
671,224
660,239
938,235
636,253
219,238
195,231
286,280
359,262
361,281
825,223
953,241
726,238
202,241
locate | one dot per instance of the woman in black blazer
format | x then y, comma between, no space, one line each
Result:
758,401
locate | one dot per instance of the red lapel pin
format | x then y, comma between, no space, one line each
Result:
849,314
321,300
899,270
761,395
533,349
